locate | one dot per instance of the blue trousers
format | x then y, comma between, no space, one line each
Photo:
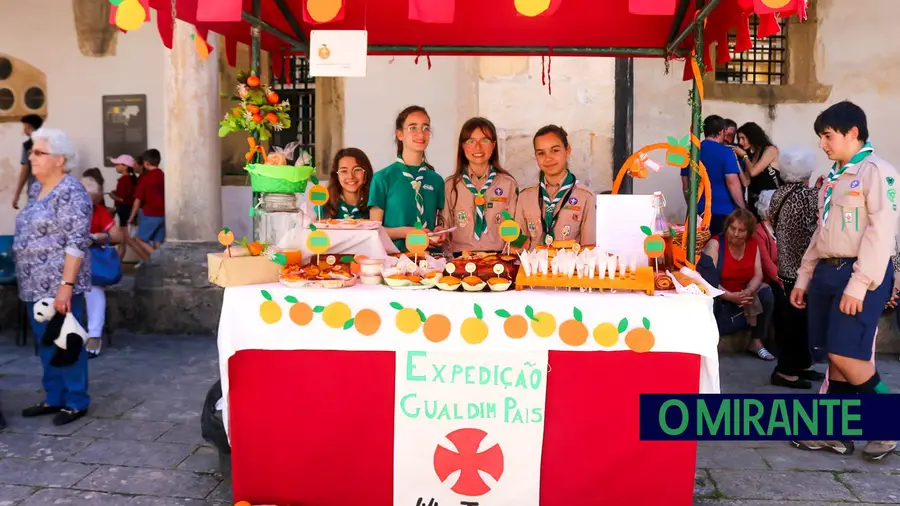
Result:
64,386
830,330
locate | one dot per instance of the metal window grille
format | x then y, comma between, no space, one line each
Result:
301,93
763,63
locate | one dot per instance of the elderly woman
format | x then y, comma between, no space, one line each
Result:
50,246
793,213
747,301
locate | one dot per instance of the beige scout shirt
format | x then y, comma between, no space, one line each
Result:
577,220
862,223
459,211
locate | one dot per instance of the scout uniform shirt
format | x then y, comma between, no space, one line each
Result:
861,223
393,191
499,196
577,220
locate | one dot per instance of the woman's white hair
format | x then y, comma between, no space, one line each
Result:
58,143
762,205
796,164
91,185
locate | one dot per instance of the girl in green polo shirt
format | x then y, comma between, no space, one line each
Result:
409,191
351,172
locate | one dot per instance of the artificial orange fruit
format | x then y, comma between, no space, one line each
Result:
253,81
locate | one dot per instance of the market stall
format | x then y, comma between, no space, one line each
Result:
457,393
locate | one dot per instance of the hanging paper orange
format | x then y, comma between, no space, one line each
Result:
323,11
129,15
532,8
203,48
784,7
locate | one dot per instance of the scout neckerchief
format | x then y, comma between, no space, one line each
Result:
836,173
349,212
549,217
480,222
416,183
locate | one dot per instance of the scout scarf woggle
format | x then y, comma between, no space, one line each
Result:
480,222
416,183
549,221
836,173
350,213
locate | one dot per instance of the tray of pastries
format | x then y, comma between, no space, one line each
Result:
479,271
347,224
328,272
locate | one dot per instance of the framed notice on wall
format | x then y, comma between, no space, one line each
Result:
124,126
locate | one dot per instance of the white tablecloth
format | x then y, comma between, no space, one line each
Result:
679,323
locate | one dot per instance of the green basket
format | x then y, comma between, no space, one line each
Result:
279,178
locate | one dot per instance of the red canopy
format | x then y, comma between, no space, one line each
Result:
570,27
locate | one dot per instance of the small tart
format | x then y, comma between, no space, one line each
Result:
432,274
449,280
397,276
413,278
498,281
472,280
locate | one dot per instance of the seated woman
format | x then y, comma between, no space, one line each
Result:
765,239
351,171
559,207
409,192
479,191
747,301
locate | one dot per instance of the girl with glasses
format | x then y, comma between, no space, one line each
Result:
351,172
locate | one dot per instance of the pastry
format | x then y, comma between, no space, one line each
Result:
663,282
685,280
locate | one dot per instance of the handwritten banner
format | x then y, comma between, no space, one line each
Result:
469,427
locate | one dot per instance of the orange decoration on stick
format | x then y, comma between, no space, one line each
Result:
323,11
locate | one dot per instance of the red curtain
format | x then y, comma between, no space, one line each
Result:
432,11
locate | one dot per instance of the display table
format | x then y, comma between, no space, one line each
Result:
368,395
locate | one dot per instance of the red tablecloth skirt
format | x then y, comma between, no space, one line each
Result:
316,428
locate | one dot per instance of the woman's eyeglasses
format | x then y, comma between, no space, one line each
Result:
355,171
484,142
414,129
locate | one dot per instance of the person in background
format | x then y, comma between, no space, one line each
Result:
792,214
30,123
479,191
723,172
846,276
351,171
409,191
51,244
123,195
765,239
730,132
747,301
103,231
760,162
150,206
559,208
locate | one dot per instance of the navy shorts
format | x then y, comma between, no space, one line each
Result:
830,330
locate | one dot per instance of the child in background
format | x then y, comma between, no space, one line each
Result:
149,204
103,229
123,195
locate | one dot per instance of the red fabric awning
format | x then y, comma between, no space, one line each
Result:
572,25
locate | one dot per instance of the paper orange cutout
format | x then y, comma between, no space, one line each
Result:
323,11
532,8
775,4
130,15
417,242
318,242
318,195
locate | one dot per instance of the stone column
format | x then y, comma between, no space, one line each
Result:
192,150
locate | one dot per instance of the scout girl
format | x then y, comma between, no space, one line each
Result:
559,207
846,275
351,171
479,191
409,191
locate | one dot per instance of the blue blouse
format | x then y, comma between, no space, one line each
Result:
47,230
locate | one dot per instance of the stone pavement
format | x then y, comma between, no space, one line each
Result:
141,444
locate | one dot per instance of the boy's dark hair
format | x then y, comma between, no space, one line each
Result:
713,125
729,123
151,157
33,120
842,117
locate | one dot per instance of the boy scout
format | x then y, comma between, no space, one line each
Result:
559,208
846,274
